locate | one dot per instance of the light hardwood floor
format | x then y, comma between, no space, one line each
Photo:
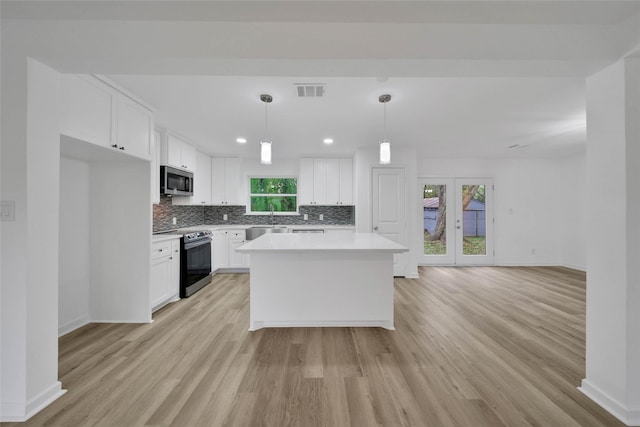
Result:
477,346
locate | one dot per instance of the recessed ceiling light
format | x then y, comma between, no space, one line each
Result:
328,141
241,140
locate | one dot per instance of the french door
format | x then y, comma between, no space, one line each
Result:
457,221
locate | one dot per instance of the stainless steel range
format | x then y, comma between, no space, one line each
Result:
195,262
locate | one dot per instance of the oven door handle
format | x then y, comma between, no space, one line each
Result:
206,241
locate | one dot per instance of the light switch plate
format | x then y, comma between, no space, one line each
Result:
8,210
306,217
321,217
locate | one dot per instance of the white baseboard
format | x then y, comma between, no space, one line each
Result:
629,416
73,325
22,411
575,267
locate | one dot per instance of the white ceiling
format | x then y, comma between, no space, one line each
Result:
467,78
441,117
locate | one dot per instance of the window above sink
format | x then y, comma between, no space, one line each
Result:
273,195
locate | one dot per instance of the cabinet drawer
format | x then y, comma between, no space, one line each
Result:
161,250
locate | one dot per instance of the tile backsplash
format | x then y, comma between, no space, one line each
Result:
188,216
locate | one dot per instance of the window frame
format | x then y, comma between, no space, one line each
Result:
270,176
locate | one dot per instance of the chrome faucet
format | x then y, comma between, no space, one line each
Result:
271,206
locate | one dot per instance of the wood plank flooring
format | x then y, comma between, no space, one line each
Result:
476,346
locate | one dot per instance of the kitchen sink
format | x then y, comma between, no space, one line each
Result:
255,232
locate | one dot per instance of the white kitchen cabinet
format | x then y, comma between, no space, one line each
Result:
305,182
135,127
226,181
202,180
219,249
178,153
237,238
87,109
155,168
224,255
93,111
346,181
201,184
165,273
326,181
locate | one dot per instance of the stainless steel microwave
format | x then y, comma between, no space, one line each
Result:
175,182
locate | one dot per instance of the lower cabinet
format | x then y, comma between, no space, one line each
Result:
165,273
224,255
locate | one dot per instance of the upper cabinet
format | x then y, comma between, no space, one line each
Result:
225,181
155,168
135,127
96,112
178,153
202,180
326,181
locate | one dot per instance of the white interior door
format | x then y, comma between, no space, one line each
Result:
457,221
388,210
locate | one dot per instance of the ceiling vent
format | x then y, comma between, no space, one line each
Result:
309,90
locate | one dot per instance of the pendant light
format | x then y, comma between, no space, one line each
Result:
265,144
385,144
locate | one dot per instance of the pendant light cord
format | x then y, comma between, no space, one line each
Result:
384,132
265,119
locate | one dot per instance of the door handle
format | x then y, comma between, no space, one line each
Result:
458,227
375,228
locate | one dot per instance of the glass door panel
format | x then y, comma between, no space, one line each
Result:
437,220
474,222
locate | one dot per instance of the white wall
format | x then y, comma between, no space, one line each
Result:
613,275
30,171
575,198
530,204
74,279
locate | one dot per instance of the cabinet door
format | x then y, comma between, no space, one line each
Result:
87,110
159,283
188,156
155,168
202,180
236,260
346,181
333,181
305,182
174,282
232,184
217,181
135,127
319,181
220,249
174,152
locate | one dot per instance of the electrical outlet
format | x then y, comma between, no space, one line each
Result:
321,217
175,220
225,217
306,217
8,210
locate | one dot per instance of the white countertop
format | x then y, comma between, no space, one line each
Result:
245,226
296,242
163,237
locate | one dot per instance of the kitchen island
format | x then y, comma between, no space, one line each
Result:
309,280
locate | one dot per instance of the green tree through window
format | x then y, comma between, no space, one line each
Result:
279,194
